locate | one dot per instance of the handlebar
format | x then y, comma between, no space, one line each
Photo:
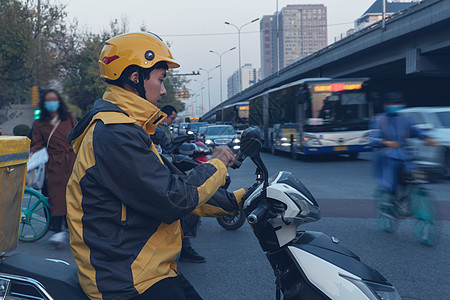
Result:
238,160
257,213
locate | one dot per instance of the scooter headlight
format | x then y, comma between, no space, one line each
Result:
375,291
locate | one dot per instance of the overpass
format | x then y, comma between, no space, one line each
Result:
411,53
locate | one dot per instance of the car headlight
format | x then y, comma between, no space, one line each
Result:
375,290
209,142
236,141
190,132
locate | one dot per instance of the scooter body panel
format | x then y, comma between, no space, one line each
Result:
327,277
58,278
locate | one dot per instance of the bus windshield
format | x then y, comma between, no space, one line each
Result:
336,108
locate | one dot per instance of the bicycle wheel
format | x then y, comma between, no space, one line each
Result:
35,220
425,233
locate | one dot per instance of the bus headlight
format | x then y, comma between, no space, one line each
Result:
311,140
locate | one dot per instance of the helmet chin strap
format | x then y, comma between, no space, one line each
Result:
139,86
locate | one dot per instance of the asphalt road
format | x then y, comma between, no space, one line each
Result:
236,268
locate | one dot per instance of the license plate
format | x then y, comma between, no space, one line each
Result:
340,148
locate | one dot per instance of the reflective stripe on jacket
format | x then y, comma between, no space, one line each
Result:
124,204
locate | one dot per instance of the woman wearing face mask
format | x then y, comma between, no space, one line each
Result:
51,131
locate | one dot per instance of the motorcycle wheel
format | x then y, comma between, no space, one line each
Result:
232,222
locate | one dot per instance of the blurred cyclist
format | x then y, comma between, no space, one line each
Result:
389,135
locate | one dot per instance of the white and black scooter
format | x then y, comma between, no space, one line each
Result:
307,265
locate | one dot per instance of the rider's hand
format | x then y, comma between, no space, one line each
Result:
391,144
224,154
432,142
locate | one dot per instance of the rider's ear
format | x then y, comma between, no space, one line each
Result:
134,77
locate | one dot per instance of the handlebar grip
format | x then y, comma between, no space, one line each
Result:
256,215
238,160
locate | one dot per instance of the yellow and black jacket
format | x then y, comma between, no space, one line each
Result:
124,203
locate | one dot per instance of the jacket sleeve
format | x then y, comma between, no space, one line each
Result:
376,132
222,203
132,172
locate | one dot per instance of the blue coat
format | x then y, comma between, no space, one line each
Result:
388,161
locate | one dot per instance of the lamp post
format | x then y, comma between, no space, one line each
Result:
239,45
209,94
220,60
201,91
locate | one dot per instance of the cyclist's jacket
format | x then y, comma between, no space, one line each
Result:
124,203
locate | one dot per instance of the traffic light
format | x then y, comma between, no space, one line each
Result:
34,95
37,114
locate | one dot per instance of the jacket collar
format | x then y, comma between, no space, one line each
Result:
142,111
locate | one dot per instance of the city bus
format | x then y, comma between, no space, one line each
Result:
315,116
234,114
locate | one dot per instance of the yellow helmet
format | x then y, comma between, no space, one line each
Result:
142,49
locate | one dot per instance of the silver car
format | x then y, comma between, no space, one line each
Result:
436,122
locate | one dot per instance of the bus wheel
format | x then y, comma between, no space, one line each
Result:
353,155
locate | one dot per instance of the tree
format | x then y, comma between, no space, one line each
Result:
16,44
32,38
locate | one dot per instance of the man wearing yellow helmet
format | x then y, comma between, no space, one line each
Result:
124,201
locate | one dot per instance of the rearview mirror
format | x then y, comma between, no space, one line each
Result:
251,141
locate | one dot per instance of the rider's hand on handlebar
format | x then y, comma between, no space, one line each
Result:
224,154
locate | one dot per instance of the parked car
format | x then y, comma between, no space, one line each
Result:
221,135
436,122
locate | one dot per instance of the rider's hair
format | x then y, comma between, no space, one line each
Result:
168,109
133,68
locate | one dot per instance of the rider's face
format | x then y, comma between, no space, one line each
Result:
154,86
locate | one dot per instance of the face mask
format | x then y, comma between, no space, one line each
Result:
51,106
393,109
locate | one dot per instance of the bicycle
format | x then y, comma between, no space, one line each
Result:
35,218
411,200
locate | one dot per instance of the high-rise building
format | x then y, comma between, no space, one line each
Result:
302,30
249,77
375,11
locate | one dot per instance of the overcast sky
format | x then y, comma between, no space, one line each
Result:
196,26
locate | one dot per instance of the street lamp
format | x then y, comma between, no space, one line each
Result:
220,60
239,45
209,94
201,91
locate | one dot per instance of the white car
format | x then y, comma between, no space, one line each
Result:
436,122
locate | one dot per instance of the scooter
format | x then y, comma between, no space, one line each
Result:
307,265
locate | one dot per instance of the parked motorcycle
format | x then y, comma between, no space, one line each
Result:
306,264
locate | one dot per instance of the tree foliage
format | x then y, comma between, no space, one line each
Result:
32,40
39,47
